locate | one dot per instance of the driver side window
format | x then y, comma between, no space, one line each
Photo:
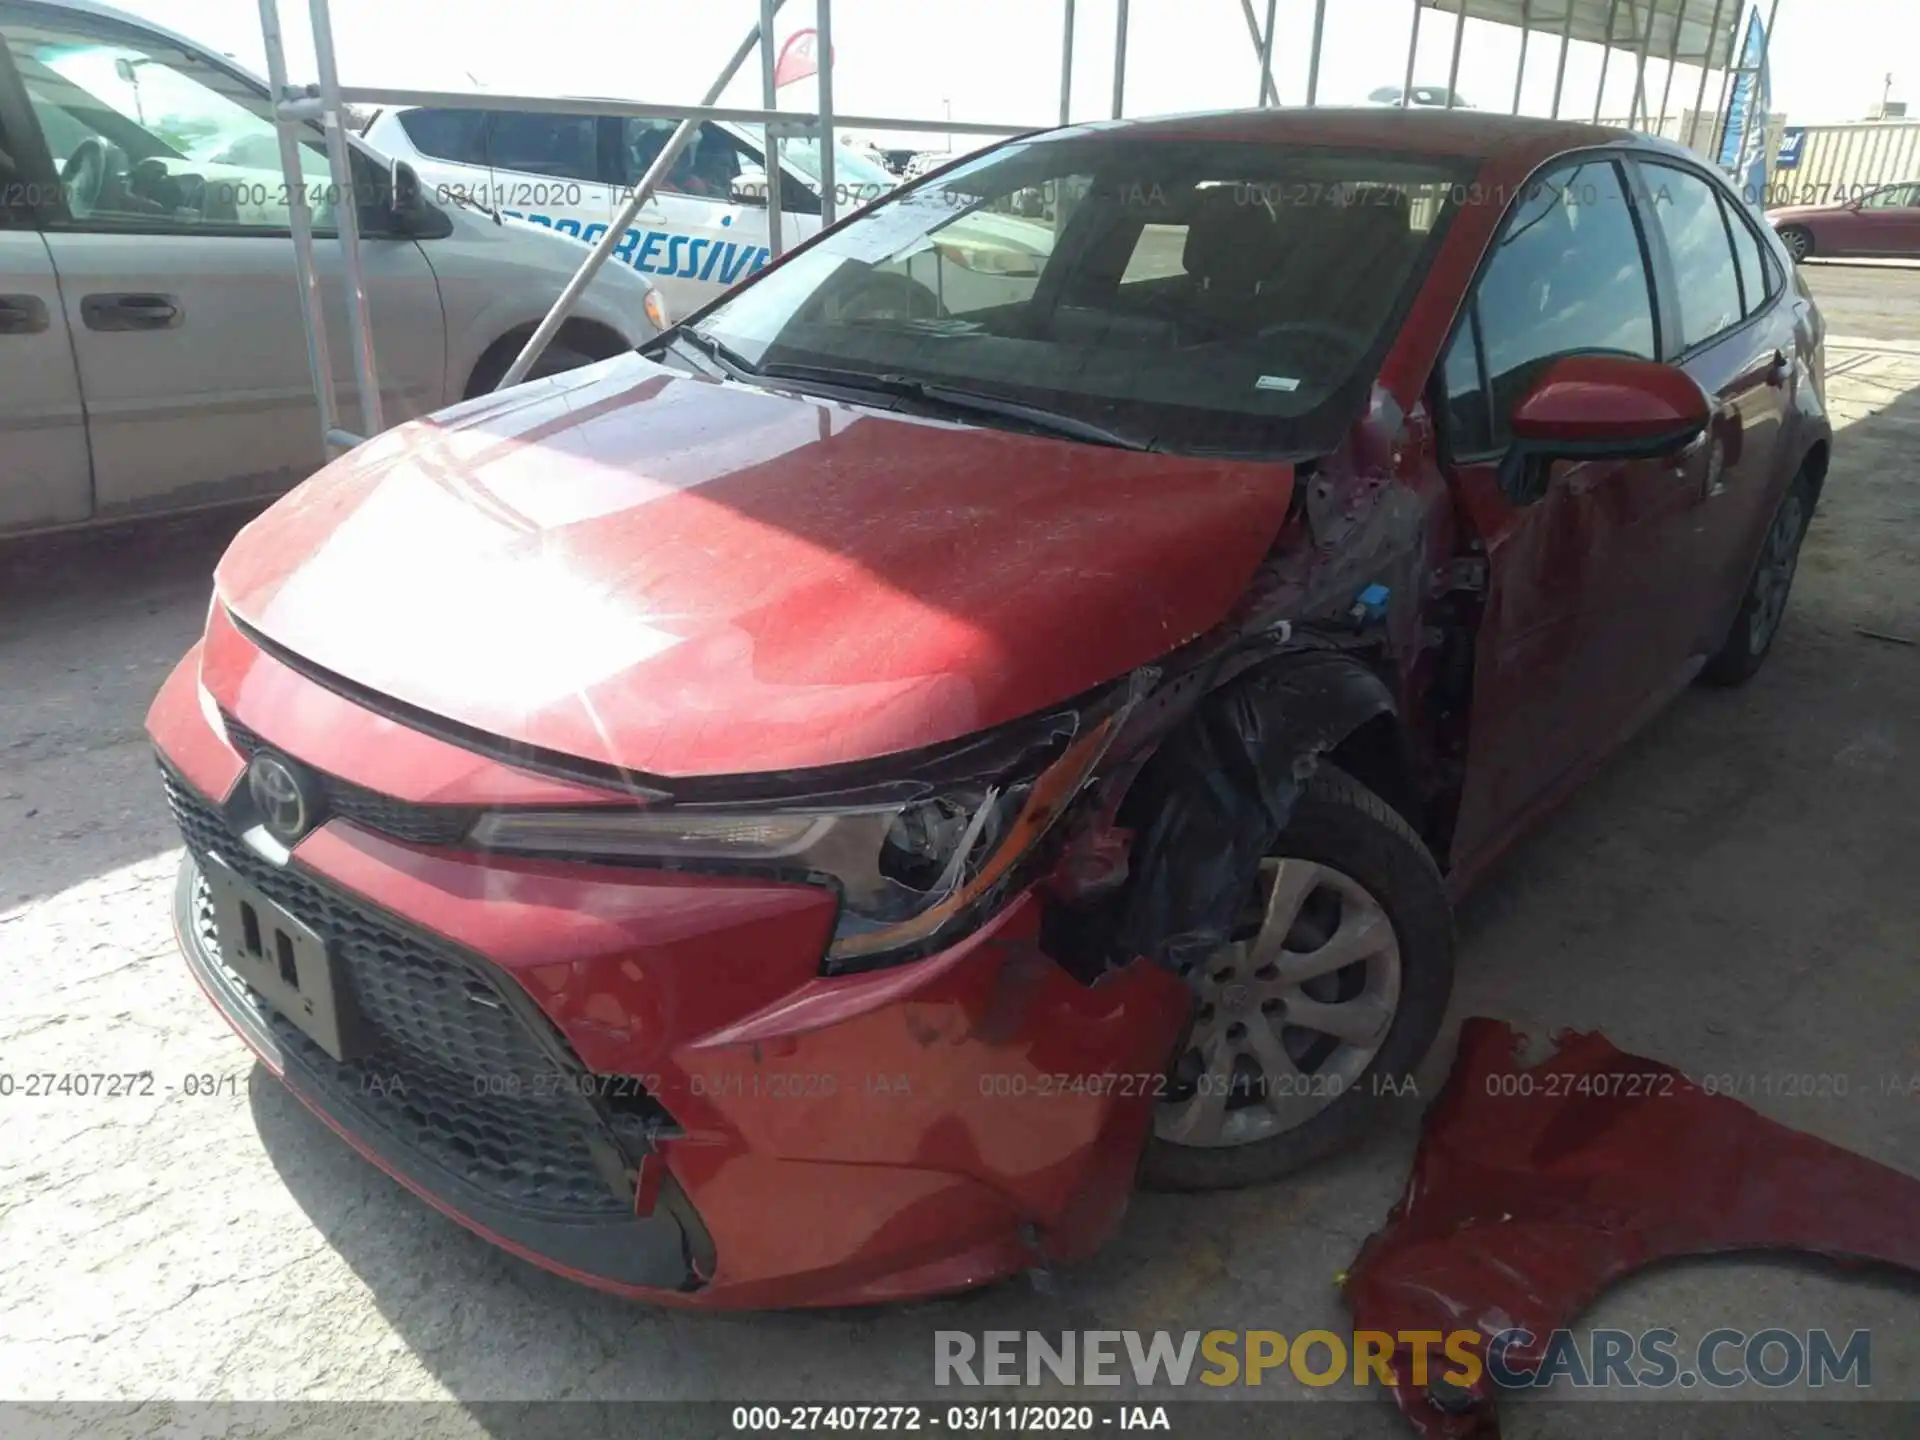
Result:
1568,275
148,135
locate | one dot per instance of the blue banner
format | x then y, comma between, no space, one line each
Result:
1743,143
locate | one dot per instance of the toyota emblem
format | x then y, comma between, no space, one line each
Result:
279,797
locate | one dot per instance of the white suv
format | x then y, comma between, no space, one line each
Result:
704,229
152,350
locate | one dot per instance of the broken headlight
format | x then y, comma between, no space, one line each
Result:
904,868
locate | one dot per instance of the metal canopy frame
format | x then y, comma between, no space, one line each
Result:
1674,28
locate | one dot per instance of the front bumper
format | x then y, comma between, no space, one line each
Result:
660,1095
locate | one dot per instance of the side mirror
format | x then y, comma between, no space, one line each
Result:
1600,407
749,188
403,184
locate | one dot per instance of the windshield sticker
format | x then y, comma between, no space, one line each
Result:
1277,382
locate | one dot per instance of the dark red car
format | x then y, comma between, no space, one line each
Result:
1884,223
997,705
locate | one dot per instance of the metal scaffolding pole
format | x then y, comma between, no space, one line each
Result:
1413,51
1526,34
1700,95
770,133
1673,54
829,202
1560,70
313,317
1638,108
1606,60
1120,59
346,218
1269,92
1066,64
1459,35
604,246
1266,55
1313,56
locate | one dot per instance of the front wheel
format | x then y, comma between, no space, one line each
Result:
1316,1012
1798,240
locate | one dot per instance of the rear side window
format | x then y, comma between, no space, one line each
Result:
1568,277
1686,207
563,146
456,135
1757,281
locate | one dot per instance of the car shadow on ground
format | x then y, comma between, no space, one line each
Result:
90,624
1740,844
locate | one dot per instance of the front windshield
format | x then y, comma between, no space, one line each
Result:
1192,294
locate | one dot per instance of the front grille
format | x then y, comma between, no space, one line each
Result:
450,1069
402,819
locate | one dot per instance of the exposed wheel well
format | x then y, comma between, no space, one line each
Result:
587,337
1376,756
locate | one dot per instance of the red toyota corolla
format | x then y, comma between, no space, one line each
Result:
998,705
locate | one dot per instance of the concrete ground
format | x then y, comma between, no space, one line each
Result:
1735,894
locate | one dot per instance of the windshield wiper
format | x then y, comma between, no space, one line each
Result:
730,360
971,402
469,203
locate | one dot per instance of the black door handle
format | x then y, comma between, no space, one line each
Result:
22,315
130,312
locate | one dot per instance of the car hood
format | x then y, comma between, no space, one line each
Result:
680,577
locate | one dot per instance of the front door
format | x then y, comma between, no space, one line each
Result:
1583,559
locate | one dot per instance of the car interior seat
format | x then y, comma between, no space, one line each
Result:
1237,246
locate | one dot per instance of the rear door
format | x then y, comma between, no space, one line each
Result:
546,168
45,474
1574,645
170,242
45,477
1727,323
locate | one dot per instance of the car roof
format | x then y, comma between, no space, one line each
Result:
1416,130
140,22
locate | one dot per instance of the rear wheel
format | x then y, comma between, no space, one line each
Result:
1798,240
1751,640
1316,1012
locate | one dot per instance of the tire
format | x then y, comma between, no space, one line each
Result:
1798,240
554,360
1341,830
1764,606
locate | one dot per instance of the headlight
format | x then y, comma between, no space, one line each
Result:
904,868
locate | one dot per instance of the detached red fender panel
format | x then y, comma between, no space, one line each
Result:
1536,1188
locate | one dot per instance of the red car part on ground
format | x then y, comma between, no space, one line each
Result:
1537,1187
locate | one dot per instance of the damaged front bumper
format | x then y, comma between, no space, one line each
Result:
641,1079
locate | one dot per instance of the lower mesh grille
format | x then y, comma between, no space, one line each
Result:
451,1070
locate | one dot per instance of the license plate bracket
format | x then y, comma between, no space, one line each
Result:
283,960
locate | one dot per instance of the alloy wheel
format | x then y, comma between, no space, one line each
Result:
1772,582
1291,1011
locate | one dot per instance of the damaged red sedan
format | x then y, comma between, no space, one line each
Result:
998,706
